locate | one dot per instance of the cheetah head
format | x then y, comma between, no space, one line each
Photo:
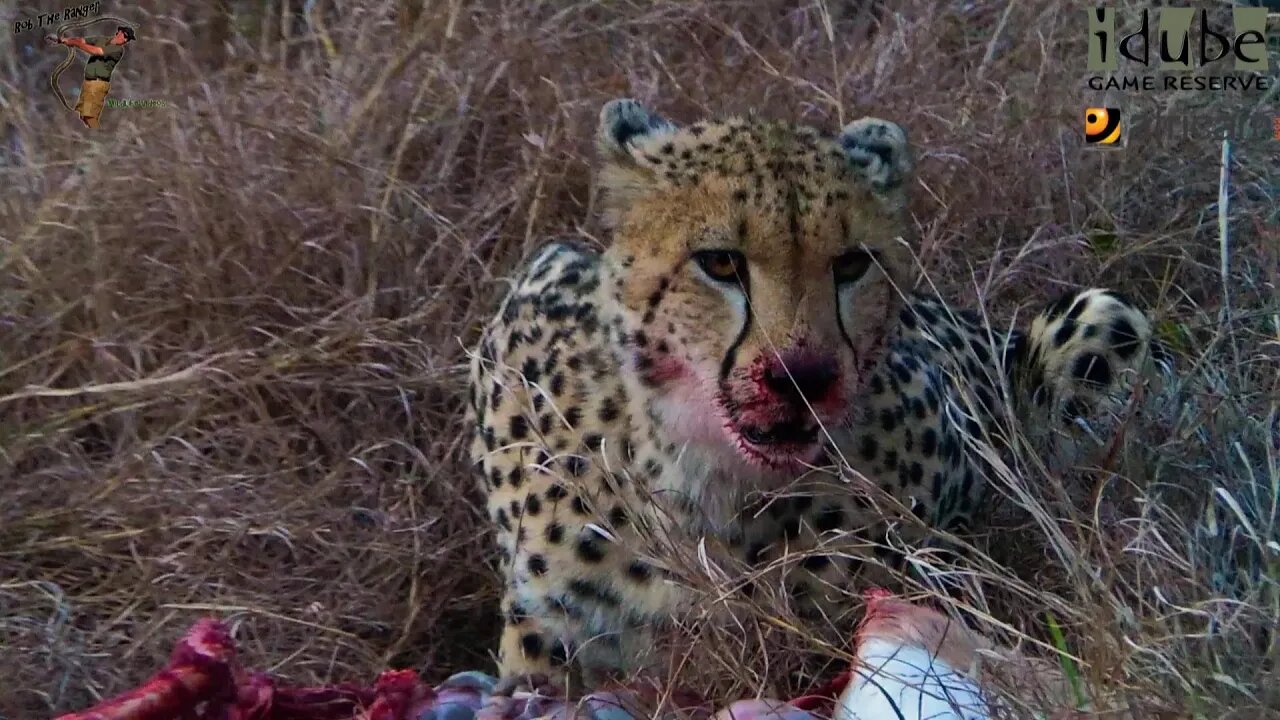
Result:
757,269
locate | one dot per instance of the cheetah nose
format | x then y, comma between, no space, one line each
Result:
796,376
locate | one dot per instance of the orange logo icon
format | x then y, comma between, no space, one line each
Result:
1102,126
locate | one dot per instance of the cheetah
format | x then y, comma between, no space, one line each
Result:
750,330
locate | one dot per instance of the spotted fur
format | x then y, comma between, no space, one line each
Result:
745,367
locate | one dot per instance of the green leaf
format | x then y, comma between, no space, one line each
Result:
1103,242
1175,334
1064,659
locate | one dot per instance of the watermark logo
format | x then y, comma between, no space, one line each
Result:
1177,45
1102,128
102,54
41,20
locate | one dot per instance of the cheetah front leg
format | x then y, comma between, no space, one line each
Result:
531,656
579,606
530,680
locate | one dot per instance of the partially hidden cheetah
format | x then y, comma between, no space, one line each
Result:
746,367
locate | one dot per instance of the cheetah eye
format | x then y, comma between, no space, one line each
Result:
727,266
851,265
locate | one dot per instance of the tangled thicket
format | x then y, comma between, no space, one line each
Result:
233,331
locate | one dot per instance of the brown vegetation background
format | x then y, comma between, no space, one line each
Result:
232,331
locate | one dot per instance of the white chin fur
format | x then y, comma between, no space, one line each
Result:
710,470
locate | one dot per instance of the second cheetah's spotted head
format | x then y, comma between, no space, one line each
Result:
758,266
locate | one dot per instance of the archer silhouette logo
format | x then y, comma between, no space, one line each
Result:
1102,128
102,56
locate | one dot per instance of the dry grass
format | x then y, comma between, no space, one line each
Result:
231,333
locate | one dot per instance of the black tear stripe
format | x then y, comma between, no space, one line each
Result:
731,356
844,333
793,214
863,364
840,320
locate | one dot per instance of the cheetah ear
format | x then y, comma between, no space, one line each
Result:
624,126
623,123
879,150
